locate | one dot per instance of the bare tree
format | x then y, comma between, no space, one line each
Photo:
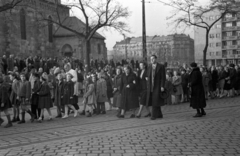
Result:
187,13
100,14
9,5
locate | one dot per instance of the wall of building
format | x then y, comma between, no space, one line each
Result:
78,46
36,42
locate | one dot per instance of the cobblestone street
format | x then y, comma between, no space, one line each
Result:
178,133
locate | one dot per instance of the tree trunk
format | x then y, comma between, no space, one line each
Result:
87,56
206,48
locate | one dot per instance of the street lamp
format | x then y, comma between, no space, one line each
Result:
125,42
144,32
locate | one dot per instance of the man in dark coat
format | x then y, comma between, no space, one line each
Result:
5,65
155,85
197,100
10,63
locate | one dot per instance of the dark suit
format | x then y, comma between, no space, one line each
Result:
156,80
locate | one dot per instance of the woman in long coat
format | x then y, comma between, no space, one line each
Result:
116,89
197,100
142,81
128,90
45,101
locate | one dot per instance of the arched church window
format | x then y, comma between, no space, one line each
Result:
23,24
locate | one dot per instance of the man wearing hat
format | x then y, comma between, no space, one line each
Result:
155,86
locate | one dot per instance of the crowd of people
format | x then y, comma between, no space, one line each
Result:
33,85
218,82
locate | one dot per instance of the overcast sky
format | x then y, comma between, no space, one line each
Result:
156,23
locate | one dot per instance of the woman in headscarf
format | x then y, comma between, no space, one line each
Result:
128,90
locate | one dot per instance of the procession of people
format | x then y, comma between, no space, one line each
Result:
34,85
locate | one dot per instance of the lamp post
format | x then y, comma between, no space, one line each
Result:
144,48
125,42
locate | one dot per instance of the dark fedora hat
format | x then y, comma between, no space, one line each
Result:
165,94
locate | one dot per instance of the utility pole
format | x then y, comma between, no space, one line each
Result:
125,41
144,48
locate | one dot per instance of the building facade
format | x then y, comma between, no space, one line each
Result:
26,30
176,49
224,40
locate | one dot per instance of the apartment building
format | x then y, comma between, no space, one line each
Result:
175,49
224,40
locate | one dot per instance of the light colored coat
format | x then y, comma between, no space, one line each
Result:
90,96
101,91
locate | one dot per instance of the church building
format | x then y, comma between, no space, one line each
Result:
27,30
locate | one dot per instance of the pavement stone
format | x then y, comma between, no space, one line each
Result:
176,134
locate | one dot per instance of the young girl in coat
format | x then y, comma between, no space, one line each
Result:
101,94
24,95
67,98
89,96
13,97
45,101
58,94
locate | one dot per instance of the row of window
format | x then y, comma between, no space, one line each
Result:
232,24
23,26
218,44
218,53
218,35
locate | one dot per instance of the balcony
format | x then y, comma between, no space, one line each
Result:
230,47
231,28
231,56
229,19
231,37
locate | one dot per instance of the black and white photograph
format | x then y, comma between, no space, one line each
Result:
119,77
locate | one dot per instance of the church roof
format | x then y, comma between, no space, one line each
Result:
75,24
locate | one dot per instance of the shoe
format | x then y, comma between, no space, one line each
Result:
8,125
103,112
14,120
138,116
58,116
148,115
83,113
32,118
1,121
39,120
65,116
203,113
132,116
21,122
50,118
89,115
160,116
17,119
121,116
197,115
75,114
153,118
118,114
